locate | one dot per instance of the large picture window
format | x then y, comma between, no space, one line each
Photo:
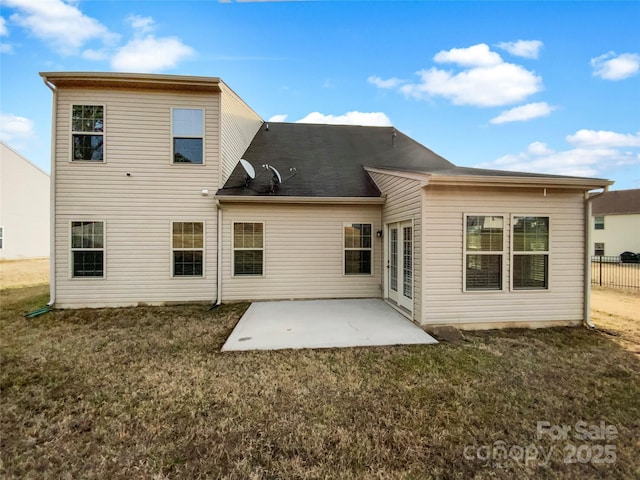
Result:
188,249
87,249
87,133
530,261
357,249
484,249
248,249
188,132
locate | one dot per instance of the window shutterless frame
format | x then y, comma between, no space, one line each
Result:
598,222
189,241
365,241
187,136
540,270
247,244
484,252
88,133
91,247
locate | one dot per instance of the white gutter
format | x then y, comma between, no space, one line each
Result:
219,260
306,200
52,198
587,255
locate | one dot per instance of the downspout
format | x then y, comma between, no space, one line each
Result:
587,256
52,198
219,261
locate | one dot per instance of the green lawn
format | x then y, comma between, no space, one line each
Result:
146,393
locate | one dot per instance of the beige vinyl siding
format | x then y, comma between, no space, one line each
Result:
239,125
404,202
444,302
303,252
137,209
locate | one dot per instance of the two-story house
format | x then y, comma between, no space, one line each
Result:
152,205
616,223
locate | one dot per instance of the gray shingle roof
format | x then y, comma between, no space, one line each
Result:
617,202
329,161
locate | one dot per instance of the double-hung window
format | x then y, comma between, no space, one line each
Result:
188,249
1,237
599,223
87,249
188,132
248,249
484,249
87,133
598,249
530,253
357,249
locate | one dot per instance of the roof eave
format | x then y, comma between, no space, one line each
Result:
131,80
274,199
519,182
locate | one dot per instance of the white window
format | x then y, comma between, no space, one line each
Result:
1,238
188,133
87,249
530,253
357,249
187,245
598,249
599,223
484,250
248,249
87,133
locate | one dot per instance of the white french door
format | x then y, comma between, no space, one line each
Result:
400,264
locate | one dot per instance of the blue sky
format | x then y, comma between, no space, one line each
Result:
549,87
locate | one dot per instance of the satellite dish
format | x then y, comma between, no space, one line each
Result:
248,168
276,173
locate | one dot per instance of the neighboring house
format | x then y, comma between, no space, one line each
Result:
24,207
616,222
152,206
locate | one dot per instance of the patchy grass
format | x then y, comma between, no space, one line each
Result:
144,393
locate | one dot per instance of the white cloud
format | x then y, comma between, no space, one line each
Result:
278,118
3,27
524,113
539,148
522,48
602,138
616,67
491,86
377,119
59,24
594,155
485,80
13,127
150,54
380,83
475,56
141,24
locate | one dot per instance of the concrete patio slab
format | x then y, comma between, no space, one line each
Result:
323,324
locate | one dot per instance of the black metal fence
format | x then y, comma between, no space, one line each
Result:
612,272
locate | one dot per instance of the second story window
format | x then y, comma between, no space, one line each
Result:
599,223
87,133
187,126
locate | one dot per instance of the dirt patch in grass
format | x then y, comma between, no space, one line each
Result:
618,312
146,393
24,273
